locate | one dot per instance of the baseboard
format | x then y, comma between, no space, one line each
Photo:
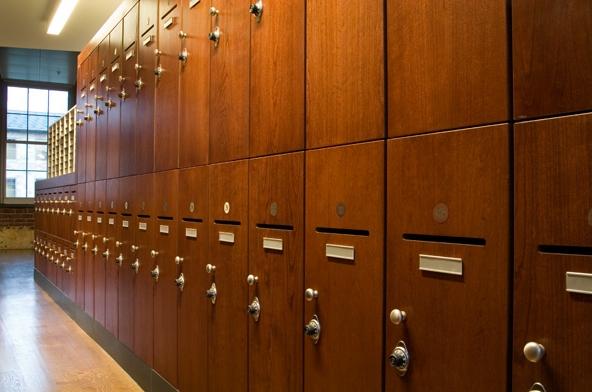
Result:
146,377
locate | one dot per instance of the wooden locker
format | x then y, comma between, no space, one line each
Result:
553,269
229,81
166,117
69,272
447,65
115,42
144,129
276,262
79,241
277,77
127,274
227,318
91,132
101,120
81,120
165,6
98,247
130,27
193,257
344,72
89,270
93,65
148,15
163,253
447,260
344,265
110,256
104,55
551,57
112,107
194,85
144,234
128,108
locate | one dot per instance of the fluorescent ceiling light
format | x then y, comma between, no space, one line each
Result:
61,16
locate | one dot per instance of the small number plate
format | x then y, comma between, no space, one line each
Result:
164,229
226,237
442,265
143,226
190,232
273,243
125,223
111,221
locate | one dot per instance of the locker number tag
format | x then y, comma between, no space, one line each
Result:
111,221
80,217
143,226
190,232
164,229
125,223
89,218
99,219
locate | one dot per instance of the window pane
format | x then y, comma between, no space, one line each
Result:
37,128
58,103
37,158
17,180
52,120
16,156
17,99
37,101
16,125
38,136
31,178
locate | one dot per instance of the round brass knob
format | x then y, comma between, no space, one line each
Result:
534,351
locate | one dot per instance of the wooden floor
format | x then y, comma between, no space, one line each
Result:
41,348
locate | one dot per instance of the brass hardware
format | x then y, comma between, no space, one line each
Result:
537,387
313,329
121,79
399,358
158,71
182,34
256,9
252,280
157,52
139,84
210,268
311,294
122,94
155,272
135,265
118,244
214,11
85,246
211,293
105,240
106,253
180,281
153,254
254,309
137,67
134,248
183,55
119,259
397,316
178,260
534,351
214,36
95,250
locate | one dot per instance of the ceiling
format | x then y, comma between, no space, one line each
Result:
23,23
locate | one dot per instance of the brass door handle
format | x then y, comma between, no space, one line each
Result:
155,273
313,329
135,265
180,281
214,36
256,9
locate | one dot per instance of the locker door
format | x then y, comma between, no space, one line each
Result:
110,256
551,57
148,15
69,272
194,85
101,115
81,117
90,152
97,250
78,244
229,80
144,285
144,84
130,27
276,268
114,96
447,261
447,65
104,55
193,257
227,335
125,259
344,268
166,118
115,42
345,69
89,270
128,107
164,6
553,256
277,77
163,253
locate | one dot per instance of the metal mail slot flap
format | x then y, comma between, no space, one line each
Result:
578,282
164,229
227,237
147,41
344,252
169,22
114,67
103,78
190,232
129,54
440,264
273,243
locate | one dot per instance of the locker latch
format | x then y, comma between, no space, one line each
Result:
399,358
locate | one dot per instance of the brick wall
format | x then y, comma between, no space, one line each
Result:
16,227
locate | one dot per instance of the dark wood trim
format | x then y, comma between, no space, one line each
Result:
65,180
144,375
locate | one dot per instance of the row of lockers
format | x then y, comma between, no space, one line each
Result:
181,83
395,256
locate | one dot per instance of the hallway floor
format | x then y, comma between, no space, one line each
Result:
41,348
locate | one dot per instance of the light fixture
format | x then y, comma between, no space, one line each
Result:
61,16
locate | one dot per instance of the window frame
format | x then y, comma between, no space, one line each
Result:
4,84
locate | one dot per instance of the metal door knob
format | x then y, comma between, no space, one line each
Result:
139,84
313,329
397,316
252,280
85,246
69,269
118,244
123,95
533,351
180,281
212,293
537,387
399,358
105,240
135,265
106,253
155,272
183,55
119,259
182,34
158,71
214,36
95,250
134,248
214,11
137,67
178,260
256,9
76,243
153,254
254,309
210,268
110,103
311,294
94,236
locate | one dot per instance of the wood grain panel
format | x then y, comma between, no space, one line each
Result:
103,55
91,132
99,265
165,6
89,228
128,108
127,276
229,82
277,79
115,42
551,42
447,65
111,267
194,87
145,108
227,333
101,120
345,190
148,15
130,27
166,117
553,172
81,112
344,72
113,109
276,197
467,172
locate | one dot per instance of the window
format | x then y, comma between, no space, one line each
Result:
29,113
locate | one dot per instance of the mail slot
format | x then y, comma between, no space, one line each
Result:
447,254
344,242
276,272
